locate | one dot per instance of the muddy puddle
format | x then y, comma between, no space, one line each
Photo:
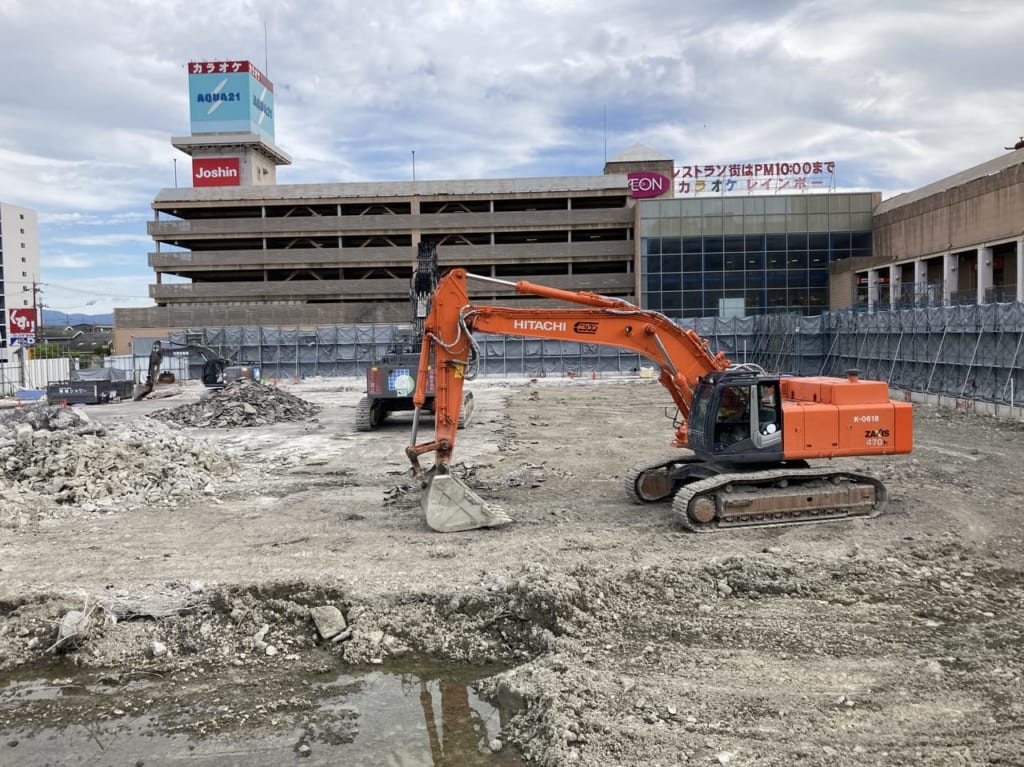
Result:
409,716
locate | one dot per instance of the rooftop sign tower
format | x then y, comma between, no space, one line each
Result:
231,113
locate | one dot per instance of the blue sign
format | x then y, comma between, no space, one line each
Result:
230,97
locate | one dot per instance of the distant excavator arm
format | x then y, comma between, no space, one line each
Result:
681,355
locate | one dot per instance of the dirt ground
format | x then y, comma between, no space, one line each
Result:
892,641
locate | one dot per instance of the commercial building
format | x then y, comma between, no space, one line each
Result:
335,254
740,256
959,240
236,249
19,276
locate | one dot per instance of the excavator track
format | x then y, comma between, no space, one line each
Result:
786,496
368,415
657,480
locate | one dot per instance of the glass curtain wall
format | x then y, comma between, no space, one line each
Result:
752,255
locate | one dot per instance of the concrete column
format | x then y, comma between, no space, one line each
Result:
872,289
1020,269
414,210
920,282
894,285
984,262
949,278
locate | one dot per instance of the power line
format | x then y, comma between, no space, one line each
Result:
91,292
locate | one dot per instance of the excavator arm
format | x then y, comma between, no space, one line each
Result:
156,356
680,355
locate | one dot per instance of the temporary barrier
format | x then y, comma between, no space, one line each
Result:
970,352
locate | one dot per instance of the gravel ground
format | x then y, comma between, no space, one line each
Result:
609,636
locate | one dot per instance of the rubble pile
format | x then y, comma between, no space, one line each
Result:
50,454
241,403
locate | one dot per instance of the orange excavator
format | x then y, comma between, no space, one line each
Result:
744,437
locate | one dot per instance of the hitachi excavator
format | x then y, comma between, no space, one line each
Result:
744,436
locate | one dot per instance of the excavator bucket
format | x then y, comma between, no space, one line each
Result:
451,507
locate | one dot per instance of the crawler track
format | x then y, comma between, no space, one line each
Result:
368,415
785,496
658,480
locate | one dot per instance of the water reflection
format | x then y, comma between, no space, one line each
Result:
463,727
423,715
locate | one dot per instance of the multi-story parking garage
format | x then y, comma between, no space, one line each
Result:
335,254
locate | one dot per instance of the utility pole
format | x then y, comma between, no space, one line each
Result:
37,305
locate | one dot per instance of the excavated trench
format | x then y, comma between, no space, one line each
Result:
260,671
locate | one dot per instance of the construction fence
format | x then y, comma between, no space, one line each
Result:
973,352
348,350
31,375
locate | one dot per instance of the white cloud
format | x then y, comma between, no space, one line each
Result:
105,240
898,94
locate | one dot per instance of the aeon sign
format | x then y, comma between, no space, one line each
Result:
646,183
216,171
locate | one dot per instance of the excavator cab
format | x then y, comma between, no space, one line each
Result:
737,418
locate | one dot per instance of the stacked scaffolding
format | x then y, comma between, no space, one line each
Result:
972,352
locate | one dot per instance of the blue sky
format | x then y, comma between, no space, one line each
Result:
898,94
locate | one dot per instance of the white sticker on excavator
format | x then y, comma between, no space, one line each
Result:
404,385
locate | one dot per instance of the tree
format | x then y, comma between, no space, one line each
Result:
46,351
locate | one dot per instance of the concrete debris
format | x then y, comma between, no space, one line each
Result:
53,455
15,422
74,629
329,620
241,403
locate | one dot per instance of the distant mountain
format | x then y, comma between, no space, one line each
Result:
52,318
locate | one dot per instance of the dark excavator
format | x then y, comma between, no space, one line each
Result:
390,381
218,371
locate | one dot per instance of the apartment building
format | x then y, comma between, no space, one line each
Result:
19,276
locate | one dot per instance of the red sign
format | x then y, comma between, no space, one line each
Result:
21,322
228,68
646,183
216,171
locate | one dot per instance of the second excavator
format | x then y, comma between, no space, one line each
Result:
744,437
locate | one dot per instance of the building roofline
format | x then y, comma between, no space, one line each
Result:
492,187
220,142
989,168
